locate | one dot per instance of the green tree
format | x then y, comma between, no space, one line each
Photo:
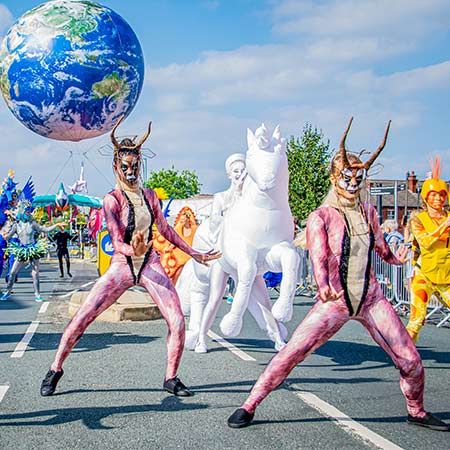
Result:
308,158
177,184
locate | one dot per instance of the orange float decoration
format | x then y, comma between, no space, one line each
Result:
172,258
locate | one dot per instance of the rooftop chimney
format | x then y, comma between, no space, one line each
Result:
412,181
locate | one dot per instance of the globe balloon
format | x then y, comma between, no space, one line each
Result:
70,68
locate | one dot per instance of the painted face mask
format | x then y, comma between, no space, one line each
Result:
128,169
350,172
127,156
352,180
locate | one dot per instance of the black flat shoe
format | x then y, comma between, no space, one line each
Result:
428,421
240,418
176,387
48,385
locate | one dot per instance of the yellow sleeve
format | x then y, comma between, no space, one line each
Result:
425,239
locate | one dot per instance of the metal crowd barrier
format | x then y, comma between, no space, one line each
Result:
394,280
395,283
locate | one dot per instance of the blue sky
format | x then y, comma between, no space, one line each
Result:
216,67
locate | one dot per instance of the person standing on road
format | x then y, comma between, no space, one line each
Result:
130,212
28,248
431,230
61,238
340,236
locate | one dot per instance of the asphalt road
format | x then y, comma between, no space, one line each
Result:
111,395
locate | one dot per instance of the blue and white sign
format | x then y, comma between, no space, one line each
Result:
106,244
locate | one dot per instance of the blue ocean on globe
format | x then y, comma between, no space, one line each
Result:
69,69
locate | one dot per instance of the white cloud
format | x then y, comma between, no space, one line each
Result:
433,77
400,18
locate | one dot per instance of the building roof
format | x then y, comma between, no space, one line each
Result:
405,198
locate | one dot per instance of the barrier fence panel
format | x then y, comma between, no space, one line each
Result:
395,282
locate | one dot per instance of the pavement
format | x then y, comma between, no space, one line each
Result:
344,396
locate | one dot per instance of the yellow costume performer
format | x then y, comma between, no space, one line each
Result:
431,229
172,258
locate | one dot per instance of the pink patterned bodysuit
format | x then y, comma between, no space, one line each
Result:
120,217
338,251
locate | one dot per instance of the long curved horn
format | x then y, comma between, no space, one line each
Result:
342,149
113,131
145,137
371,160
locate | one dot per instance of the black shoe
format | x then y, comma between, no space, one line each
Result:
240,418
69,274
428,421
61,276
50,381
176,387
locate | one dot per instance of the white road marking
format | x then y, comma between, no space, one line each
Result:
233,349
69,294
342,420
23,344
43,307
3,390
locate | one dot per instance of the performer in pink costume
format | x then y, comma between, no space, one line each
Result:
130,212
341,235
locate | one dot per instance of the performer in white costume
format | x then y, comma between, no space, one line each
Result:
258,232
193,286
256,237
195,281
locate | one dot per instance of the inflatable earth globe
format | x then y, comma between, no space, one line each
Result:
70,68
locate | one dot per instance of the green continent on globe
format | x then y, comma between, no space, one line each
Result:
72,22
111,86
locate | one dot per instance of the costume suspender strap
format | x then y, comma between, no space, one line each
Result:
129,230
150,233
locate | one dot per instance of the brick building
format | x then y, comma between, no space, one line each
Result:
408,197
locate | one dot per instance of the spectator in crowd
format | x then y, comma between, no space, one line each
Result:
392,236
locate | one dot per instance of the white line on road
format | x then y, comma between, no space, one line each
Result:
233,349
43,307
23,344
3,390
345,422
69,294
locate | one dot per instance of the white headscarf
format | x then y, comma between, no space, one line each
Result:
232,159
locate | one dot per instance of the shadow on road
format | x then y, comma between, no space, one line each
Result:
345,355
92,417
13,324
232,387
88,343
389,419
17,304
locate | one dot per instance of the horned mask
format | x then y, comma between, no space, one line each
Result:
127,156
348,170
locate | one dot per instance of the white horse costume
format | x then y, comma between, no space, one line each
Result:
256,236
194,283
258,231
